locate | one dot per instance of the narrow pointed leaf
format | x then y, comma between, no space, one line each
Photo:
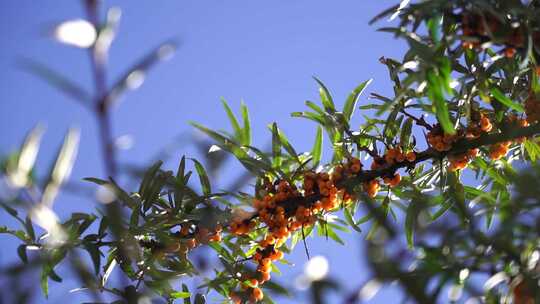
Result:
134,76
436,94
62,167
316,152
234,122
203,177
276,146
56,80
352,100
326,98
506,101
247,125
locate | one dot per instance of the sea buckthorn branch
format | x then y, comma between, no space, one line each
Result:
303,206
287,208
461,146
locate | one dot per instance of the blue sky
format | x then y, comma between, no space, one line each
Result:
261,52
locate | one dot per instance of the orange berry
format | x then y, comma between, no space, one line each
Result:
235,298
191,243
389,158
257,256
215,238
277,255
264,268
411,156
265,261
395,180
439,146
257,294
264,276
184,230
472,153
510,52
485,124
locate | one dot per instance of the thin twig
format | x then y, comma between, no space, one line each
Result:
304,241
419,121
101,95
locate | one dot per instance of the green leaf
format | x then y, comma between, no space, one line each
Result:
406,131
276,147
433,25
213,134
29,228
180,295
148,186
181,180
309,115
333,235
436,95
276,288
533,150
142,66
316,152
203,177
422,50
56,80
94,253
445,206
350,220
505,100
62,167
185,289
410,220
288,147
44,282
238,134
96,181
352,100
315,107
13,212
27,157
247,125
326,98
200,299
21,251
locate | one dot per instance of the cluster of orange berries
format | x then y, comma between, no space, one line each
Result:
251,286
460,161
285,209
442,142
241,226
392,156
396,155
480,124
499,150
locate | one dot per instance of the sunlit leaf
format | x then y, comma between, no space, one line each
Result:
352,100
62,167
506,101
316,151
326,98
203,177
